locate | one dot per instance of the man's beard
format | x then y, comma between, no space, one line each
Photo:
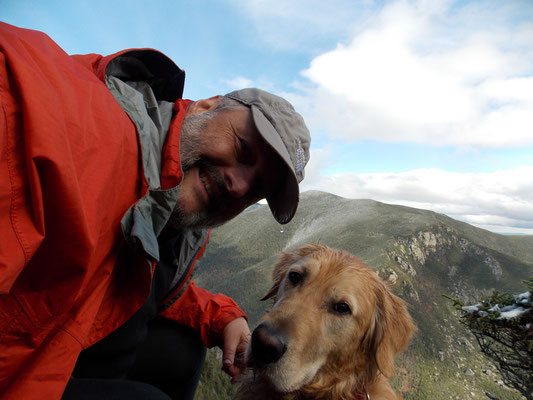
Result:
216,211
191,143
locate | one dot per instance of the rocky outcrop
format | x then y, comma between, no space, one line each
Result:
412,252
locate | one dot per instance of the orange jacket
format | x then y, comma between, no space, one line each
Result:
78,218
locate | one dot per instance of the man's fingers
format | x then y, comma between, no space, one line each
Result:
228,362
235,337
229,349
241,347
228,356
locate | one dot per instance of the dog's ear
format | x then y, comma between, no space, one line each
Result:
280,268
285,261
392,328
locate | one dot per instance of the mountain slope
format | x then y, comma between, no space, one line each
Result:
421,253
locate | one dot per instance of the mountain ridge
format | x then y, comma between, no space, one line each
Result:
422,254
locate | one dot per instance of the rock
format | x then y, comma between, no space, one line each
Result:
429,240
417,251
405,266
392,277
494,266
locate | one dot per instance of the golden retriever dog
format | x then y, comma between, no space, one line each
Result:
332,333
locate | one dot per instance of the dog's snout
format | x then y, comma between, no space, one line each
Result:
268,344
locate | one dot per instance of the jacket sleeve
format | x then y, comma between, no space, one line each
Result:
21,205
205,312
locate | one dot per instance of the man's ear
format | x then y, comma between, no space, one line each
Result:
200,106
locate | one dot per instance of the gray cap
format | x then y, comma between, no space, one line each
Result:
285,131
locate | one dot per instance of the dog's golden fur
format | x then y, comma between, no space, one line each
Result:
332,352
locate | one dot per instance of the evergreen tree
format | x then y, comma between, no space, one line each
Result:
503,327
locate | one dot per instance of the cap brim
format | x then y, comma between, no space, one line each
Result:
284,202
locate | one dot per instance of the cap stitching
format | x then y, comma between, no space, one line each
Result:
300,158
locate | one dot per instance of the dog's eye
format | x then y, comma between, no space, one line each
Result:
295,277
341,308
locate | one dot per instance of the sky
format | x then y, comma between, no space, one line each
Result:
423,103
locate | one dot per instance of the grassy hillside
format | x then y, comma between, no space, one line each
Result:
421,253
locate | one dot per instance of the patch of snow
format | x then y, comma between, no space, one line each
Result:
495,308
522,296
512,313
508,308
471,309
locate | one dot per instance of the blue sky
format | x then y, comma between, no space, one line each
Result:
422,103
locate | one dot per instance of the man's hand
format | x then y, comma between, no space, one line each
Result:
234,341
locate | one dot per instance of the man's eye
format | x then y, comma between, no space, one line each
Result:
244,152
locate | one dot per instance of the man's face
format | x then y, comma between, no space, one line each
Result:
227,167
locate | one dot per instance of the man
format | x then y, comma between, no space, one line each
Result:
108,180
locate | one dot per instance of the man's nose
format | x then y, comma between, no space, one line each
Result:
238,180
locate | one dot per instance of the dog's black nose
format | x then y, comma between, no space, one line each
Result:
268,344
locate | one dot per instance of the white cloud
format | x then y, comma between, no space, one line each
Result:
318,159
439,73
499,201
422,73
300,25
239,82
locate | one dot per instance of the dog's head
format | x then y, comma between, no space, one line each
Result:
333,319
